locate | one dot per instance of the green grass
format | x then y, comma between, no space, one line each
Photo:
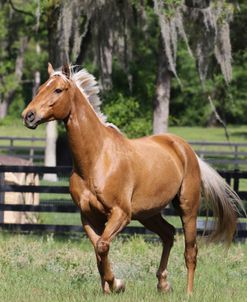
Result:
15,127
47,269
214,134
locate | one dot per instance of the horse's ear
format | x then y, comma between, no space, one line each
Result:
66,70
50,69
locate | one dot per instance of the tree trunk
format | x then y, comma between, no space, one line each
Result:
3,108
103,40
162,95
106,63
57,57
201,4
19,64
50,149
37,81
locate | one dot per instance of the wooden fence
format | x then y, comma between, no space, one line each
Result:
232,177
29,148
223,155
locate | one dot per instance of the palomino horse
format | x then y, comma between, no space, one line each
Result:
116,179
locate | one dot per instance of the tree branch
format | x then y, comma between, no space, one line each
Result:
20,10
219,118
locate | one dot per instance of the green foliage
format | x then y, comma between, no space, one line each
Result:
15,25
16,107
130,104
125,113
170,7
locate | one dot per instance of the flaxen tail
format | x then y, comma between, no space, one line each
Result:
224,202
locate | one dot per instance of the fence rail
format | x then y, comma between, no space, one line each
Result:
222,154
13,145
232,177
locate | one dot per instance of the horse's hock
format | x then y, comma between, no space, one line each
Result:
28,179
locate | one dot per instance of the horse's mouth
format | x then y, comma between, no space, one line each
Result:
30,119
31,124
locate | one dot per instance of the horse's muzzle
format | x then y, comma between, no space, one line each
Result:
31,120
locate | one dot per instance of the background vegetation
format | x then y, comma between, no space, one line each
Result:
25,40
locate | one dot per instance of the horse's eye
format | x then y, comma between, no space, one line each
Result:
58,90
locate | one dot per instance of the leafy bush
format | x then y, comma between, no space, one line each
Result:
125,113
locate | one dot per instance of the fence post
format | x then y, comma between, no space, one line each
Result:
236,180
236,156
11,147
31,152
1,195
228,179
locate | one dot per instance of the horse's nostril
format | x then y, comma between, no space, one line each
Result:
30,116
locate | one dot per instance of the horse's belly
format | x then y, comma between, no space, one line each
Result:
158,177
150,198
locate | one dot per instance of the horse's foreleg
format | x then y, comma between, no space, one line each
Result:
117,221
93,234
166,232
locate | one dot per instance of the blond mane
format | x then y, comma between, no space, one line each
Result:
89,87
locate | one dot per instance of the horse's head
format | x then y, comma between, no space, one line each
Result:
52,101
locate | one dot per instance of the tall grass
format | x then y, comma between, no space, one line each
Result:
47,269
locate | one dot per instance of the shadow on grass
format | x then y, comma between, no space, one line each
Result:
242,134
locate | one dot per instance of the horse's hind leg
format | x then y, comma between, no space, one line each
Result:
166,232
188,205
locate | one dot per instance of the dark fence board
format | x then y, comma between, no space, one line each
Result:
71,208
67,208
36,169
35,189
76,228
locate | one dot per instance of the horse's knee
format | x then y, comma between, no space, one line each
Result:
168,237
171,235
190,256
102,247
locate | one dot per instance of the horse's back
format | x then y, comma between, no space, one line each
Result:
169,146
160,163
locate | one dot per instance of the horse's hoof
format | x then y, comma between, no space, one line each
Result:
106,288
165,287
119,286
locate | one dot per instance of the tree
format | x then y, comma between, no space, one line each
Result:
162,97
14,39
119,42
209,33
64,40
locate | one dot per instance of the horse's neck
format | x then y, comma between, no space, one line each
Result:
86,135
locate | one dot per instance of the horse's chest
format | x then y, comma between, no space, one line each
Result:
85,196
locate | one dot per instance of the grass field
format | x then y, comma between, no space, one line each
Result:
15,127
237,133
44,269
